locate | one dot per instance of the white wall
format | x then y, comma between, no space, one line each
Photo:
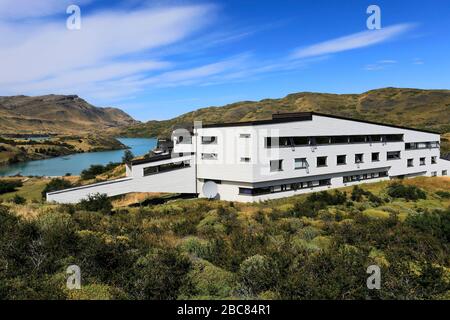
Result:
176,181
230,148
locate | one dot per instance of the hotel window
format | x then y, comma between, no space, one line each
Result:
166,167
339,139
394,138
300,141
245,159
321,161
433,160
300,163
393,155
209,140
444,172
357,139
244,135
422,161
434,144
375,138
359,158
375,156
340,160
276,165
433,173
209,156
410,162
323,140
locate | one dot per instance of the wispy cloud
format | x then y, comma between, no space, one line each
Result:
418,61
48,53
379,65
353,41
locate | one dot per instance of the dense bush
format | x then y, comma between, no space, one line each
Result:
398,190
318,201
98,202
19,199
443,194
56,185
97,169
198,249
9,186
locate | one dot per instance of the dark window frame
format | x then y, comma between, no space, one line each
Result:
322,165
341,163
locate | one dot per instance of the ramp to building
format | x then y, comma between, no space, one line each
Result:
145,177
110,188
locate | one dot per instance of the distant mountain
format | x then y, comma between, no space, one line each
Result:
57,114
422,109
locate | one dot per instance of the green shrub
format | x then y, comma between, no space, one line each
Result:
19,199
9,186
318,201
160,275
56,185
96,169
398,190
205,280
257,273
98,202
443,194
435,223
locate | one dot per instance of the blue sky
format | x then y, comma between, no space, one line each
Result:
159,59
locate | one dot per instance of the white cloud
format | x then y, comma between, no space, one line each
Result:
353,41
380,65
44,57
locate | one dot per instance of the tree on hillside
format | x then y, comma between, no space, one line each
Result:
127,156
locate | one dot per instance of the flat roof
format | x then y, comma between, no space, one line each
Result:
303,116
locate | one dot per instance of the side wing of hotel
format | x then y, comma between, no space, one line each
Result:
290,154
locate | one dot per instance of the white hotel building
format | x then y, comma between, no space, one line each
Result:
290,154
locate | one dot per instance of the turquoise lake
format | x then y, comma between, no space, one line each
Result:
76,163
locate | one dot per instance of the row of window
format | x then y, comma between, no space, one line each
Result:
284,187
166,167
421,145
321,140
302,163
422,161
275,142
434,173
365,176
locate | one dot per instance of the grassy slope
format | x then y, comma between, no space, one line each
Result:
422,109
264,228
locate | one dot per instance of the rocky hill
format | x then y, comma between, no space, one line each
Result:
57,114
423,109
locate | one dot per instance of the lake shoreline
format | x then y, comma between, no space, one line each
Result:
24,148
74,163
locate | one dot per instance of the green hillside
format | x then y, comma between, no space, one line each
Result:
422,109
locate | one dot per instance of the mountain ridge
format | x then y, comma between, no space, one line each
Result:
52,113
416,108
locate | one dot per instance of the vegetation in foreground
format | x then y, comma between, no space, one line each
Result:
315,246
